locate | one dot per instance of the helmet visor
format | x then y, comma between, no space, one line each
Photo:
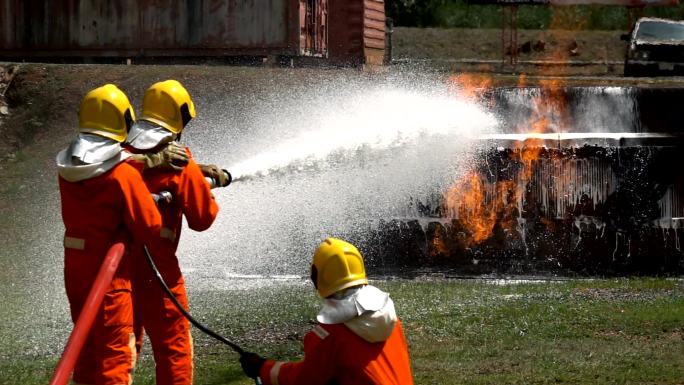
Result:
128,118
185,114
314,276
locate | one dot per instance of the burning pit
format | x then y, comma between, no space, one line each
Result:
583,180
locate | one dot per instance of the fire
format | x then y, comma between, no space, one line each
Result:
469,86
528,155
522,80
467,199
550,115
479,204
549,112
438,245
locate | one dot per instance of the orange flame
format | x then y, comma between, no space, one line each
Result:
480,204
438,245
469,85
522,80
467,199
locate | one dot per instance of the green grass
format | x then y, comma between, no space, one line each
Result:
588,332
624,331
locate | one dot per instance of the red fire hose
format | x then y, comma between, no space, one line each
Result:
87,316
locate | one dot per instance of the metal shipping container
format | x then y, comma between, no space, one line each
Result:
198,28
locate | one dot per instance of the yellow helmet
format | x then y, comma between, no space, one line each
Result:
106,111
337,265
169,105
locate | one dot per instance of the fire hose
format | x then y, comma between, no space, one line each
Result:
85,319
165,197
204,329
236,348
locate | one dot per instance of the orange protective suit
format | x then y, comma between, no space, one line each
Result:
167,329
333,353
97,212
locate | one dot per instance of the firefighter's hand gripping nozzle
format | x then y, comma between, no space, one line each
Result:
224,180
161,198
215,176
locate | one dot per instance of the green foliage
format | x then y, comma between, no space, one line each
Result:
608,18
676,13
460,14
534,17
415,13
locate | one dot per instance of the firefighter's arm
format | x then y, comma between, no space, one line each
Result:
173,156
196,199
317,368
140,214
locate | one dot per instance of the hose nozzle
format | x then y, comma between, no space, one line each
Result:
213,182
162,197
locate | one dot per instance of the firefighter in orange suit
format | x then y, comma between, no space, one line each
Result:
358,338
104,200
167,108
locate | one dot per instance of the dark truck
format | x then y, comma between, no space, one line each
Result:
656,48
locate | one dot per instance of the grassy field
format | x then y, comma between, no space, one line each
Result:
622,331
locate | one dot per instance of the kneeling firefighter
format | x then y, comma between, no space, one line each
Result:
358,338
167,108
104,201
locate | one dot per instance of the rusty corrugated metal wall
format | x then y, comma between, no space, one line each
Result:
147,28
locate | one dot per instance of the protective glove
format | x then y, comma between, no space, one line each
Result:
222,177
251,364
172,156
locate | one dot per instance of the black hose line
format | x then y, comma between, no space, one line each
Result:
185,313
166,197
